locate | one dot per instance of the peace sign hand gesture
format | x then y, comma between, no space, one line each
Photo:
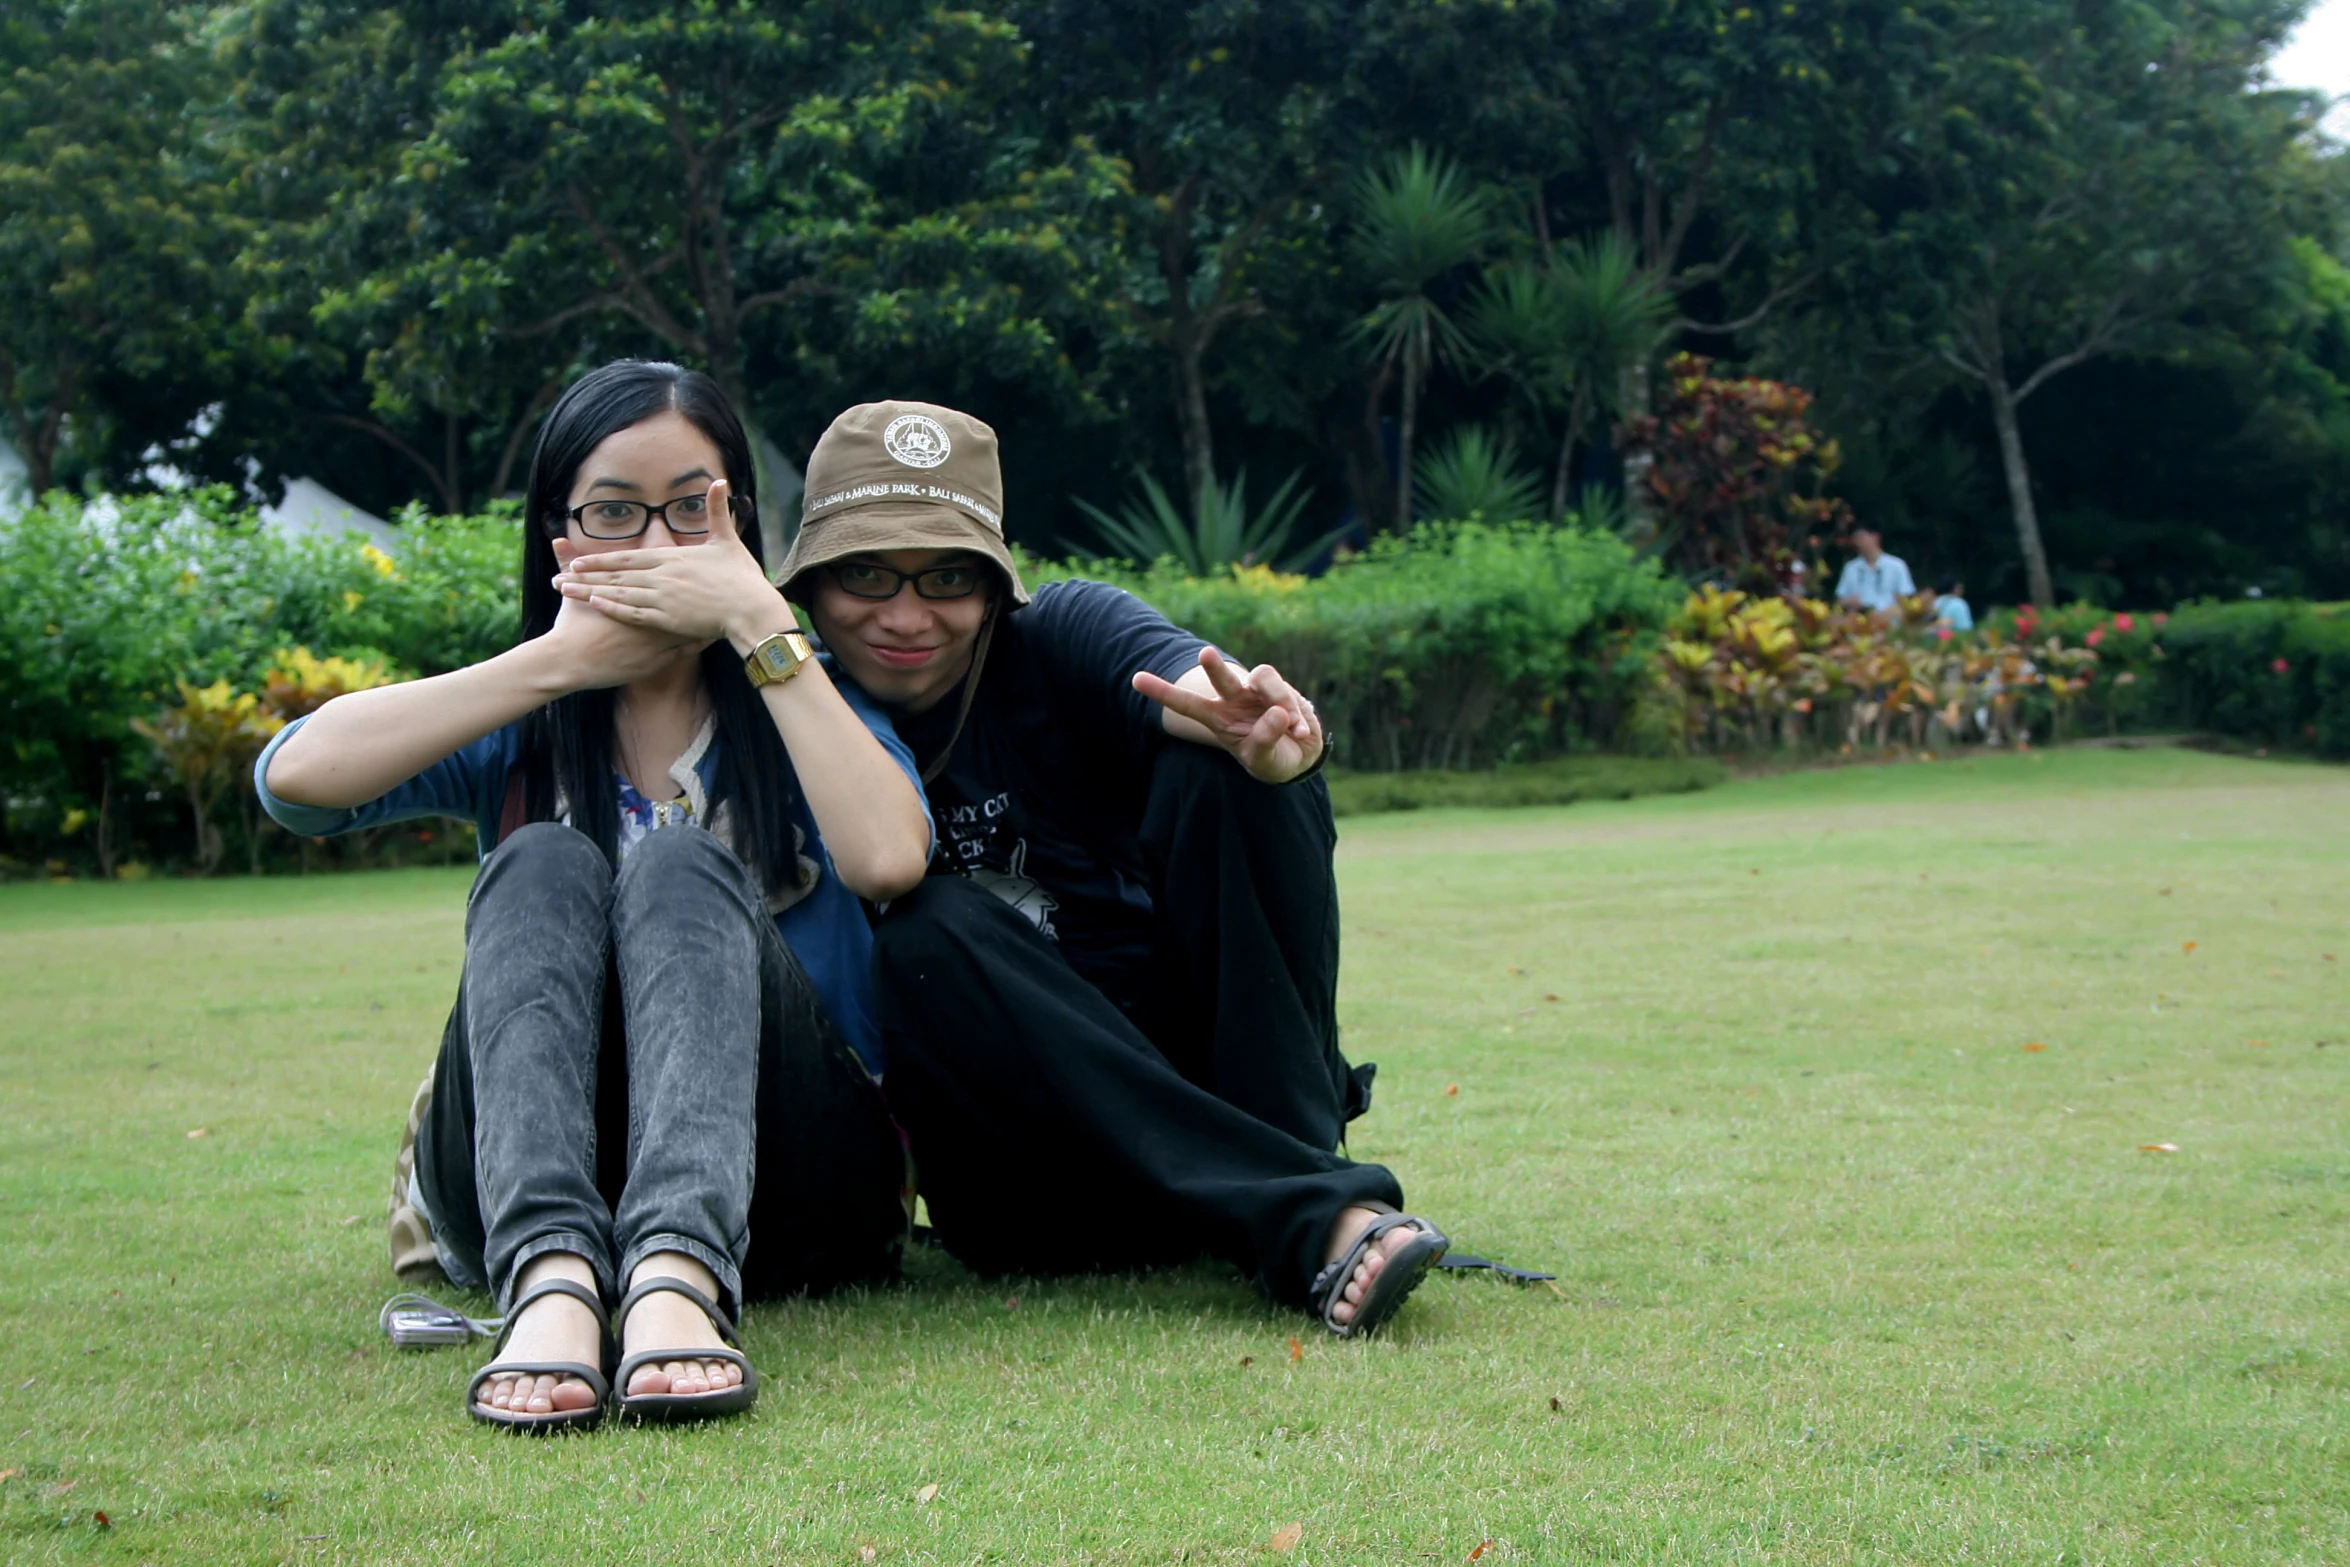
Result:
1269,728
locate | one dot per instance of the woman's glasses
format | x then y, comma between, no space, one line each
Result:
688,516
859,579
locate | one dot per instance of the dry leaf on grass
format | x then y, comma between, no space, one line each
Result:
2257,1044
924,1497
1297,1351
199,1132
2158,1148
866,1553
1452,1090
1549,998
1284,1539
1555,1406
1481,1548
2186,946
2035,1047
101,1520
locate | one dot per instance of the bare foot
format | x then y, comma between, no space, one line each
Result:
1351,1223
554,1328
666,1320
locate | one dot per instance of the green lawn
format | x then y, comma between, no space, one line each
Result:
1848,1272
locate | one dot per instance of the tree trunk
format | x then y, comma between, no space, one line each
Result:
1578,410
1188,349
1412,372
2019,488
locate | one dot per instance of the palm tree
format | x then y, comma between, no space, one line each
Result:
1612,316
1565,333
1416,217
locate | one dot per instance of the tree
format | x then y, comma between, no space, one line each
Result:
1416,219
112,231
759,191
1222,119
1570,332
2075,191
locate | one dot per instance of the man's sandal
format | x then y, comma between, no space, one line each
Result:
1405,1267
682,1406
593,1376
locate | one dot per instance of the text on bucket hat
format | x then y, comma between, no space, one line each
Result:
901,476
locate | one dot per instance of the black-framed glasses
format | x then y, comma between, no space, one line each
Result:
687,516
862,579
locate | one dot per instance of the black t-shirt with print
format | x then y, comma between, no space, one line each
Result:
1043,797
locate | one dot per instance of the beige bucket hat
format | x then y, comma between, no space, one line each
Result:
901,476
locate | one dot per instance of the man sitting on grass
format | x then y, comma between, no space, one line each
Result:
1109,1015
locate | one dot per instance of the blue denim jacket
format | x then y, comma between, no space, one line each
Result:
826,929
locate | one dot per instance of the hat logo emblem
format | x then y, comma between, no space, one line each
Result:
917,440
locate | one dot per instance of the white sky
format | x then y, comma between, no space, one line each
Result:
2318,56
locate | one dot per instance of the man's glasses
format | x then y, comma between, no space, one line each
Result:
688,516
858,579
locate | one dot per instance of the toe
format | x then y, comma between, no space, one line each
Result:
541,1397
572,1394
650,1378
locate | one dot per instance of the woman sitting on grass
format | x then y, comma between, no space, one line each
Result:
655,1022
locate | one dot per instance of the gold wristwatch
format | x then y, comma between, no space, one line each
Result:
777,658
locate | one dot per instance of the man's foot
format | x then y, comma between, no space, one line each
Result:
665,1321
1351,1224
554,1328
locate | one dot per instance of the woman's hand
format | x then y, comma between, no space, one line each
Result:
701,591
590,651
1257,716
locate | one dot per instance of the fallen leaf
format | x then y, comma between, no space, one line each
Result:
1285,1538
2257,1044
866,1553
1556,1407
2329,957
1482,1547
2158,1148
1248,1360
1517,971
198,1132
1550,998
1011,1303
1452,1090
1297,1351
2166,892
2186,946
101,1520
2035,1047
924,1497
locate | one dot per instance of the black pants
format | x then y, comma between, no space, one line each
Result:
1054,1132
638,1064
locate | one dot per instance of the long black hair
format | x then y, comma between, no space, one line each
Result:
567,744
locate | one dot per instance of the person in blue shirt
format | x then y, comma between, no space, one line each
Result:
1950,606
1873,580
652,1079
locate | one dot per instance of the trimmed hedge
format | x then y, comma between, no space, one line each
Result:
1459,646
1443,654
2274,672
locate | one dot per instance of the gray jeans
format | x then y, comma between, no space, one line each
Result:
637,1064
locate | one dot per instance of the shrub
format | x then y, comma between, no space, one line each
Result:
114,604
1458,646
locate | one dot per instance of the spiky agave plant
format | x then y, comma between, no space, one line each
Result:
1222,531
1472,472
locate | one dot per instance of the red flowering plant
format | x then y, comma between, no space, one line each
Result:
1737,475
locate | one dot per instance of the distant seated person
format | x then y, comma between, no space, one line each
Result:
1873,580
1950,606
